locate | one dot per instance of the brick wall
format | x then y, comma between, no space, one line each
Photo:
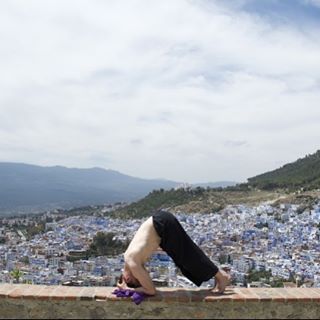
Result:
56,302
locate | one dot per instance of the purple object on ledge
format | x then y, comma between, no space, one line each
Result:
137,297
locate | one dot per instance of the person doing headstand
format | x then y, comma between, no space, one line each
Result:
164,230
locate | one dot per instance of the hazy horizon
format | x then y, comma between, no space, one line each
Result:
107,169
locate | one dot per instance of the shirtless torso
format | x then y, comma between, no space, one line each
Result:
143,244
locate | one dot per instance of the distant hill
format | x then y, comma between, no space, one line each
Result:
29,188
25,188
191,200
159,199
303,173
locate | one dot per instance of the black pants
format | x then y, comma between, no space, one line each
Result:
188,257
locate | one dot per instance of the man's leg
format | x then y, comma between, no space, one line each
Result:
191,260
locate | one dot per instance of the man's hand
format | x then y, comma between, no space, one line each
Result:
222,280
122,285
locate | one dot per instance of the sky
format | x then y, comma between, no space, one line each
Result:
186,90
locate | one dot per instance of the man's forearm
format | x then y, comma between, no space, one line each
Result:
141,274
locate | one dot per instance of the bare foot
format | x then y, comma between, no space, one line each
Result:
222,280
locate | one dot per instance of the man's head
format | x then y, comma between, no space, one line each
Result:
129,279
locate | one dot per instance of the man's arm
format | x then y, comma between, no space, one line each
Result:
142,275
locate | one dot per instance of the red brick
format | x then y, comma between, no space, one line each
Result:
102,293
86,293
73,293
298,293
183,295
276,295
29,292
315,291
287,294
238,298
5,289
248,295
44,292
16,293
175,294
157,297
262,293
216,297
309,294
235,294
65,293
198,295
169,295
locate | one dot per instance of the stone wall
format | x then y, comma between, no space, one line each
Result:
58,302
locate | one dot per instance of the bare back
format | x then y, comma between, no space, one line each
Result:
144,243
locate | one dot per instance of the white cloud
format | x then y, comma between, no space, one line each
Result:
313,2
155,88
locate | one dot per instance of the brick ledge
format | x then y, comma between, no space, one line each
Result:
49,293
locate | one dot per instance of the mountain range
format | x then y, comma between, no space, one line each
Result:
30,188
26,188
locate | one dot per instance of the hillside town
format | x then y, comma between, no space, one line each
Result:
279,244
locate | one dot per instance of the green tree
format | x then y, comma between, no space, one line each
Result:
106,244
16,274
255,275
34,229
25,260
223,259
277,283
